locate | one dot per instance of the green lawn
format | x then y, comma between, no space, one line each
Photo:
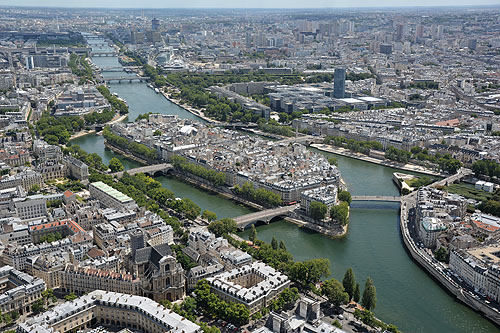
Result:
468,191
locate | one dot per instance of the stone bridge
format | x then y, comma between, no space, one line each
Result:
125,78
265,216
149,170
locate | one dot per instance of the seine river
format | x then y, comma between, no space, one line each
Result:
407,296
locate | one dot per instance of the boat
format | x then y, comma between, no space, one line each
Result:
157,90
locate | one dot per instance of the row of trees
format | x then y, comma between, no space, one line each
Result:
486,168
99,117
212,306
353,145
181,164
272,126
81,68
260,196
58,130
92,160
116,103
131,146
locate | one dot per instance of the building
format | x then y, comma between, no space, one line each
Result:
161,275
111,309
76,168
26,179
111,197
429,229
19,290
325,194
31,208
80,280
254,286
339,83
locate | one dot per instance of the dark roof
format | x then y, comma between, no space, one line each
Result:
152,254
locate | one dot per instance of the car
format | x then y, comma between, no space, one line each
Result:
341,317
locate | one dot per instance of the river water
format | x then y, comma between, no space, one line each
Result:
407,296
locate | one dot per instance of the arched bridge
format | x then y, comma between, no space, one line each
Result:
150,170
103,53
266,216
375,198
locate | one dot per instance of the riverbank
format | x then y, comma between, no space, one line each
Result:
196,112
362,157
125,154
436,271
115,120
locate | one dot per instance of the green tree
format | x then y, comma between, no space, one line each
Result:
274,243
340,213
332,161
209,216
253,233
70,297
38,306
335,292
345,196
318,210
357,293
115,165
310,272
369,300
282,246
349,283
223,226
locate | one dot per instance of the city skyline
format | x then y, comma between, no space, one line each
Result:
276,4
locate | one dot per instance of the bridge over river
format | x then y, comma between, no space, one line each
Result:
149,170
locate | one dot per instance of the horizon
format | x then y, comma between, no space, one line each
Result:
243,5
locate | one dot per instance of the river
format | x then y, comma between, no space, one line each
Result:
407,296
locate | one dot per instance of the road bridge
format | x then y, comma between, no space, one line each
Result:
265,216
121,79
118,69
103,53
149,170
304,139
376,198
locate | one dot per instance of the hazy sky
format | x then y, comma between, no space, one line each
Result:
243,3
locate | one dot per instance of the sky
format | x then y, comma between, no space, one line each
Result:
243,3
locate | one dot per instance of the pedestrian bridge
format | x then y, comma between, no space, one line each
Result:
376,198
265,216
149,170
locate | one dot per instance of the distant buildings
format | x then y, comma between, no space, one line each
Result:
339,83
19,290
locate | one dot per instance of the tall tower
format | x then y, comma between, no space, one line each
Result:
339,83
136,242
400,30
155,24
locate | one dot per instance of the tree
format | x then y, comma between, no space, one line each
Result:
70,297
253,233
345,196
37,306
340,213
282,246
209,216
222,226
318,210
274,243
357,293
442,255
335,292
333,161
34,189
115,165
369,300
349,283
309,272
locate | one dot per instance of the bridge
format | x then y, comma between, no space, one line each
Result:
118,69
304,139
103,54
376,198
266,216
121,79
149,170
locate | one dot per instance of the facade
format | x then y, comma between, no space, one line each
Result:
109,308
429,230
325,194
19,290
111,197
339,83
252,285
26,179
31,208
76,168
81,280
